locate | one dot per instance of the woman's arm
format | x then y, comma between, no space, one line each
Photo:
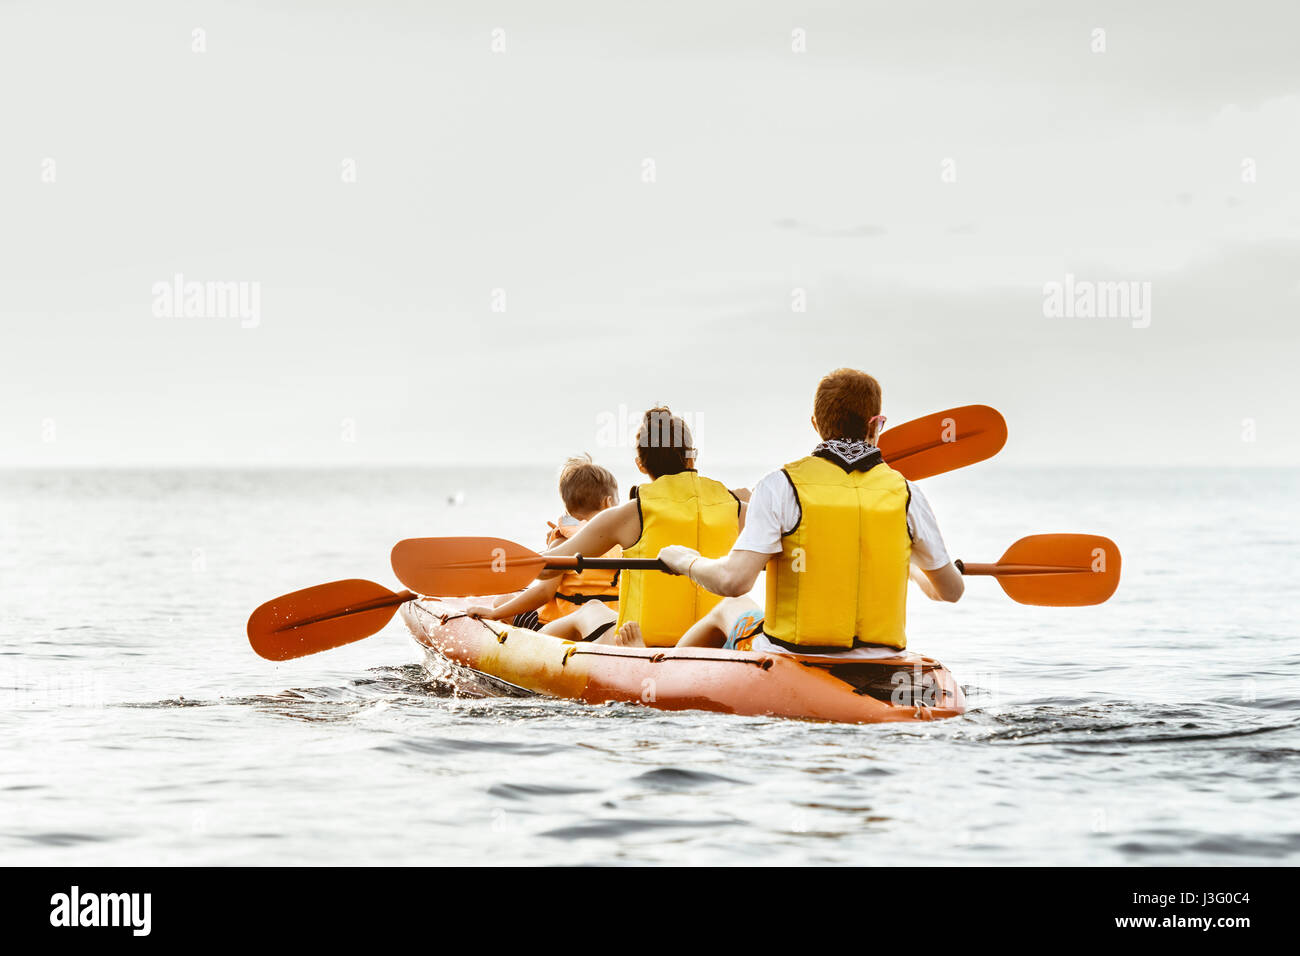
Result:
619,525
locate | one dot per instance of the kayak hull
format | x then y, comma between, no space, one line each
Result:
908,687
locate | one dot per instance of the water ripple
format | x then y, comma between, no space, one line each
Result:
606,829
675,778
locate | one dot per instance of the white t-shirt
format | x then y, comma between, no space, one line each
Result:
774,512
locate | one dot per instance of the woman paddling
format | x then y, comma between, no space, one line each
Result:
677,506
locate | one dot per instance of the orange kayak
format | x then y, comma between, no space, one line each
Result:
908,687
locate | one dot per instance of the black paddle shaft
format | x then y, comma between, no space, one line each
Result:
612,564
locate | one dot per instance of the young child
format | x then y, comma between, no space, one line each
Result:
586,489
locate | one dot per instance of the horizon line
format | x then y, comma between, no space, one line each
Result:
393,465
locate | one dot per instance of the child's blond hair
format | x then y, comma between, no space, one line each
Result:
584,485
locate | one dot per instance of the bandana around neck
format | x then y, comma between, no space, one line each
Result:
851,454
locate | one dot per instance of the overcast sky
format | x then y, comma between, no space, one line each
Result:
645,189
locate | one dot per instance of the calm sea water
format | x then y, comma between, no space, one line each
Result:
1163,727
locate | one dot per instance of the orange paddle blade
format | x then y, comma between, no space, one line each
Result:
1057,570
459,567
318,618
944,441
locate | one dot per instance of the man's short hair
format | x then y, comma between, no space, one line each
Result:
846,401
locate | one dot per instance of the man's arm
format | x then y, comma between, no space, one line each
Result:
732,575
941,584
931,569
770,510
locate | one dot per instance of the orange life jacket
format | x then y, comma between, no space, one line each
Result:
577,588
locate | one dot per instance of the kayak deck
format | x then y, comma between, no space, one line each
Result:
908,687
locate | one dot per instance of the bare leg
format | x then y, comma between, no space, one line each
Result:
712,629
576,626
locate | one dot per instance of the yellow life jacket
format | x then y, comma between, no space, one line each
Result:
676,509
841,577
577,588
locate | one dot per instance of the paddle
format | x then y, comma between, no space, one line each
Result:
1055,570
1052,570
318,618
944,441
460,567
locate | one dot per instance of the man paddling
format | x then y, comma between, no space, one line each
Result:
839,533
